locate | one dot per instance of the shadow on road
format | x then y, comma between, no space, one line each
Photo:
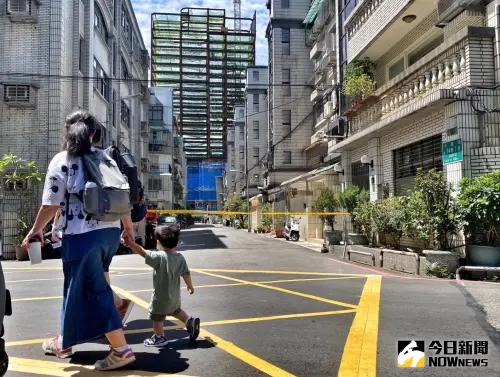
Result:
200,239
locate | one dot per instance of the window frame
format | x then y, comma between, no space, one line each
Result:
102,82
285,4
287,124
286,88
288,159
100,23
256,75
256,129
285,41
17,99
125,115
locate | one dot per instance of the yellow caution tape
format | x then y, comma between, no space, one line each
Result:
229,213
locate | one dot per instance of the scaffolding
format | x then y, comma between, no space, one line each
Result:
205,61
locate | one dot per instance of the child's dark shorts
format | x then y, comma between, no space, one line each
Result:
161,317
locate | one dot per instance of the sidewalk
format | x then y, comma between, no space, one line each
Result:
487,295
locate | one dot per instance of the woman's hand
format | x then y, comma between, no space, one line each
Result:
31,235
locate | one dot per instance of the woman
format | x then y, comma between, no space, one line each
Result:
88,245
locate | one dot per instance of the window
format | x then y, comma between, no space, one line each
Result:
285,41
19,6
287,157
256,129
256,102
80,54
397,68
424,154
360,175
242,152
242,133
99,23
125,114
256,75
420,52
126,27
285,79
241,114
285,4
125,73
256,156
156,112
154,184
17,93
101,80
286,116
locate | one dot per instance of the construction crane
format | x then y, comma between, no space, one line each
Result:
237,14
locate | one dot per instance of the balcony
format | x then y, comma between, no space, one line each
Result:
316,94
320,122
438,78
375,26
316,50
161,148
328,109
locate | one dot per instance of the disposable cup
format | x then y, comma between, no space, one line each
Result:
35,252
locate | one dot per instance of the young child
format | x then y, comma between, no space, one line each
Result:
168,266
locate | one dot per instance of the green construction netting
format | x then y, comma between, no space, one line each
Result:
313,11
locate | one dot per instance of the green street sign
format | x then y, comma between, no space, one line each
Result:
452,151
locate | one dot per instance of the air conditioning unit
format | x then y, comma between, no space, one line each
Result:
449,9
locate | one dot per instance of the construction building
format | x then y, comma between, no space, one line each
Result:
203,54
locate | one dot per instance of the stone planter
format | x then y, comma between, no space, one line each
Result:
356,239
376,252
488,256
332,237
400,261
434,258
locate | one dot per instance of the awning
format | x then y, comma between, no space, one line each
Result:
313,11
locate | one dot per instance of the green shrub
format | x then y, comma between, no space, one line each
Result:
479,202
350,199
358,81
364,219
389,217
432,211
327,202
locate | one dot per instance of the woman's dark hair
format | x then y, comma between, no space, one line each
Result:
80,126
167,235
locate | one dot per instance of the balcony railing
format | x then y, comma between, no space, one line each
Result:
361,15
451,66
316,50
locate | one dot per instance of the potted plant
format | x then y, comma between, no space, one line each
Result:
327,202
359,83
389,217
349,200
479,202
22,228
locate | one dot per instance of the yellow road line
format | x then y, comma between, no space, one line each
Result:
283,290
360,351
36,298
61,369
25,342
31,280
224,345
280,272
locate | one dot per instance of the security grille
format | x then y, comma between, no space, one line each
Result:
17,93
360,175
424,154
18,6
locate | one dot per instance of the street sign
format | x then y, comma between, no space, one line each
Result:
452,151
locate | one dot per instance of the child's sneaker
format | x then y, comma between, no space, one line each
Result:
115,360
51,347
156,341
193,328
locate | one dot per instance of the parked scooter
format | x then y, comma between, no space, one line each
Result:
292,230
237,224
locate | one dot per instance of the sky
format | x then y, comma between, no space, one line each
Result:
144,8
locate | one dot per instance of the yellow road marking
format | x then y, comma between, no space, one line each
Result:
36,298
224,345
283,290
261,282
280,272
360,351
31,280
208,323
61,369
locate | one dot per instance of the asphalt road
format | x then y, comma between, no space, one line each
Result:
268,307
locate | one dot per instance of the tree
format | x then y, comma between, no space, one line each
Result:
389,217
327,202
358,81
351,198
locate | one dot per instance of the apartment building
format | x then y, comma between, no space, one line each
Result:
427,54
159,165
235,168
290,110
58,56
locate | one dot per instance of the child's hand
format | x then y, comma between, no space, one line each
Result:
190,290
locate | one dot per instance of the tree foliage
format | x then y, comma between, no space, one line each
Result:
351,198
358,81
